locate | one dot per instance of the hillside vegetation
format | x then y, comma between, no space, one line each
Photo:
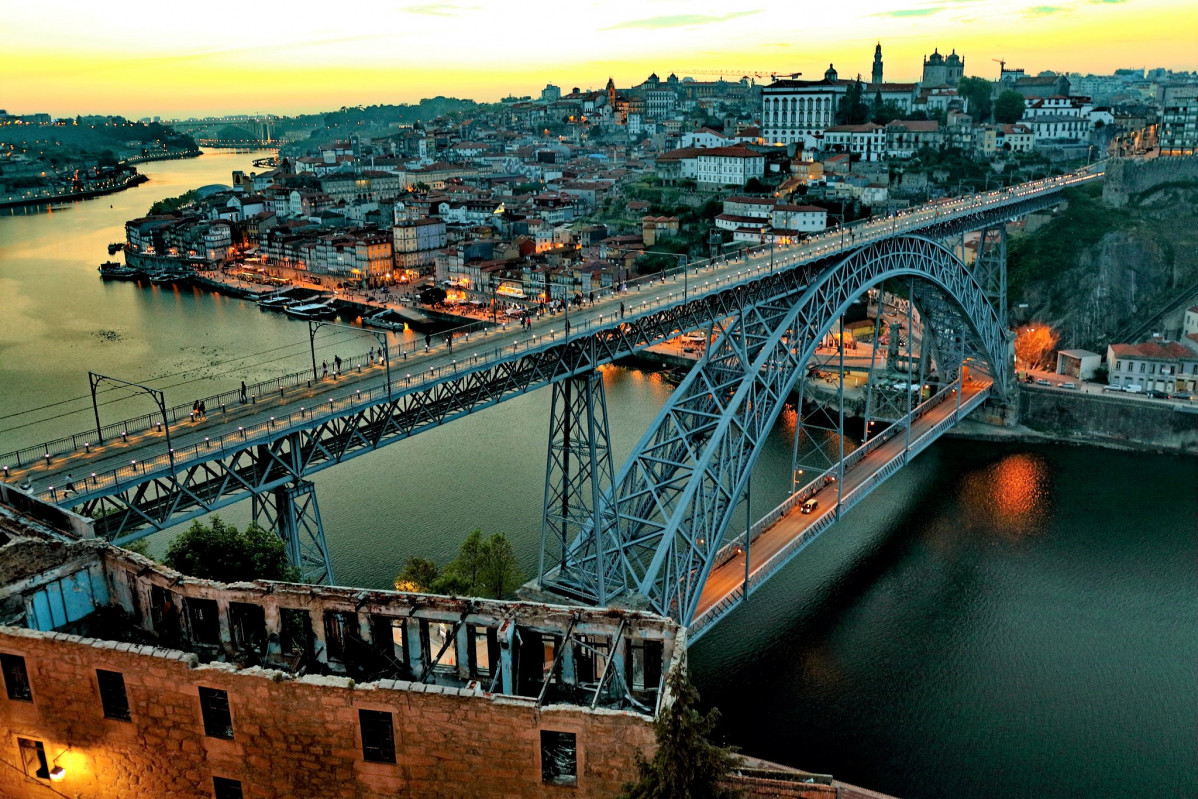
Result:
1093,271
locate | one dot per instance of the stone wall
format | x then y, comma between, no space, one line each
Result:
1126,177
292,737
1111,420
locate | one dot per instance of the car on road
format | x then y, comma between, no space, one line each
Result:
810,505
1157,394
1113,387
1040,381
1183,395
1069,385
1134,388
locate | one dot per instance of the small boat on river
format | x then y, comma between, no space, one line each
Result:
312,310
170,276
112,270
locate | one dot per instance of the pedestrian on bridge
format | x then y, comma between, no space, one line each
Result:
70,487
337,361
203,410
621,310
428,341
195,410
324,370
243,397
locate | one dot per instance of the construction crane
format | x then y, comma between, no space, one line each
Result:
1002,65
744,73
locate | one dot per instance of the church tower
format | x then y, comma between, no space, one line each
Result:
877,77
611,93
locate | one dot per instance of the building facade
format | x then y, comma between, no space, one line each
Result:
794,111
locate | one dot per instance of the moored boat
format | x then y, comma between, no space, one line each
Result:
312,310
111,270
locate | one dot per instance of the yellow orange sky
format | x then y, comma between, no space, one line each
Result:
140,57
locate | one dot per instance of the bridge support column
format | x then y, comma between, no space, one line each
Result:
578,471
292,512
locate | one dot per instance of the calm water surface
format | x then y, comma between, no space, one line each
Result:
996,621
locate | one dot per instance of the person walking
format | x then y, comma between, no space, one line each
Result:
70,487
243,397
203,410
621,310
337,361
195,410
324,370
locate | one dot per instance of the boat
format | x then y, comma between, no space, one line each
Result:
312,310
116,247
386,319
170,276
276,301
112,270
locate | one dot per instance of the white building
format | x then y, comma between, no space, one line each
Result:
799,218
1154,365
867,142
728,166
795,110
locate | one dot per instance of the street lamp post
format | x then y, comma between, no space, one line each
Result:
94,379
381,338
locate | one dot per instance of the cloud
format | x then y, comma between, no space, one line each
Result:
1106,2
679,20
438,9
1043,11
909,12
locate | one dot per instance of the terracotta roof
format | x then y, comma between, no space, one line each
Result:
1152,350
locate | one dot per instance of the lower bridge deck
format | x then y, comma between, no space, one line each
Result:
783,533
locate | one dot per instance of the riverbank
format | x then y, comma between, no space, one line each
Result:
136,179
167,156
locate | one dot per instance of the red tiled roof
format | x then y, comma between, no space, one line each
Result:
1152,350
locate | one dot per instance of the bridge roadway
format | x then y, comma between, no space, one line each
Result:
117,464
770,549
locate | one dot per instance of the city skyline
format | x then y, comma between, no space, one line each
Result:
127,58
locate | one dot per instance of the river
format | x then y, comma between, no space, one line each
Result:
997,620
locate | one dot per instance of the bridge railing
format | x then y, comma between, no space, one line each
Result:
822,245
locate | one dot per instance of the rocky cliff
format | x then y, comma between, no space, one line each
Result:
1097,273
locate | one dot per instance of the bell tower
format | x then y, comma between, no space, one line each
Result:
877,76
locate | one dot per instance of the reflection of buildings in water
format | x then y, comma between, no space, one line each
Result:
1011,496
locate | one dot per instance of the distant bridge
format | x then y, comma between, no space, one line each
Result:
655,532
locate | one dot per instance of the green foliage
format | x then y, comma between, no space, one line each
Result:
977,91
484,567
1008,108
853,109
417,575
170,204
686,764
1054,247
526,188
222,552
885,113
755,186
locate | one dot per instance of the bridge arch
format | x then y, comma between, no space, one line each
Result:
675,495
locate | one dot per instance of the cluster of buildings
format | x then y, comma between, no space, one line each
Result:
535,199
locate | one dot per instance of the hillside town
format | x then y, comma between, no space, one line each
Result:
551,199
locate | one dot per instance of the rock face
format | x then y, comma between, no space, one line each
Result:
1100,274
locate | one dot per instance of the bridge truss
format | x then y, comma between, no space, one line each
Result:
672,499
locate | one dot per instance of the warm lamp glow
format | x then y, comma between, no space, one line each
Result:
57,773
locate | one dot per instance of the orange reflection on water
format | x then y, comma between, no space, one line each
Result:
1011,496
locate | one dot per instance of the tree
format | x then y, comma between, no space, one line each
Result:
977,91
1008,108
499,573
852,109
219,551
484,567
686,763
1034,343
417,575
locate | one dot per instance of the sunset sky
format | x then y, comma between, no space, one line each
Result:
139,58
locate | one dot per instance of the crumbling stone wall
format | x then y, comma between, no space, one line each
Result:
1126,177
293,737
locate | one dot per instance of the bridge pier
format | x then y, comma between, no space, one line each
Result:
293,513
578,470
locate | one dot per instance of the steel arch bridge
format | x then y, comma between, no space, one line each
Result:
652,533
657,528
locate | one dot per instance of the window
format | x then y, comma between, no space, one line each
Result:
204,621
559,758
16,680
378,736
33,758
214,706
112,695
225,788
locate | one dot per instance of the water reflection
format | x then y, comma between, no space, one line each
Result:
1010,498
